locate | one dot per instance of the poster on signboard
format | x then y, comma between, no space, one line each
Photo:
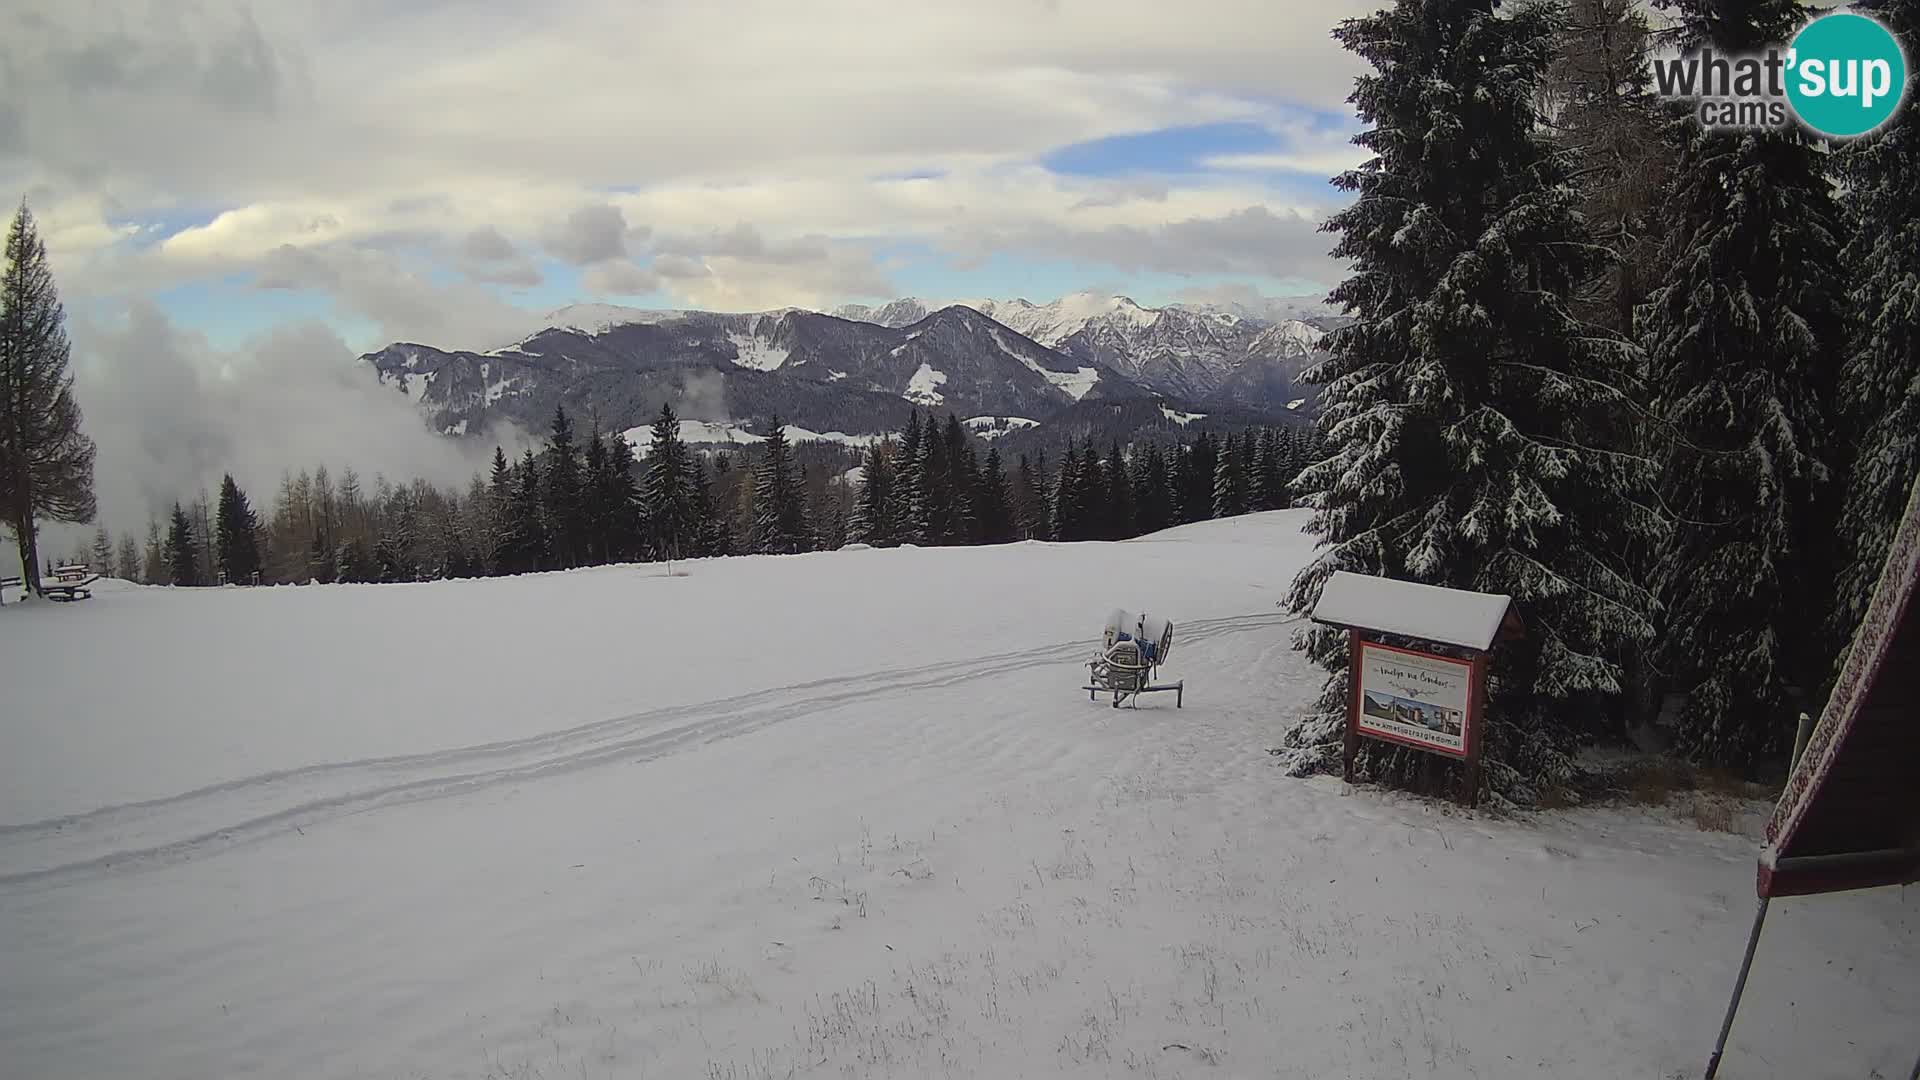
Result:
1414,698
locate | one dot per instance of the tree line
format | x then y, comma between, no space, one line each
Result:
1658,382
593,500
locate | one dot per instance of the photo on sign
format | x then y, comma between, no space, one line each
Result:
1414,697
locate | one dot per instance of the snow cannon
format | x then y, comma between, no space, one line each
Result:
1132,648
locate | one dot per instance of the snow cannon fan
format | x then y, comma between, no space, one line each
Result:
1132,648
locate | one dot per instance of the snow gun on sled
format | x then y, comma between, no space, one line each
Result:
1131,652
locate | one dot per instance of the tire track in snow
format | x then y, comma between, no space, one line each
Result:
157,832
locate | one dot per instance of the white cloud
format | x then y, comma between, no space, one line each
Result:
171,413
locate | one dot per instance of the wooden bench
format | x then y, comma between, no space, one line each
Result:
66,587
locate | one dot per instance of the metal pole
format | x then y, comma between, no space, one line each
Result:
1739,987
1800,738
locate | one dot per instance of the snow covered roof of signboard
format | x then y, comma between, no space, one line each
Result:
1470,620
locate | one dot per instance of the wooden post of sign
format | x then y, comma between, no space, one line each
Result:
1478,731
1353,708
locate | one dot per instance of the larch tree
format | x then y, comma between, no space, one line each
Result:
46,461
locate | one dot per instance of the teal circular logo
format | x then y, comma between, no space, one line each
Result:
1846,75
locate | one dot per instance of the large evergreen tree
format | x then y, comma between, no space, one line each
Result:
1468,412
1026,501
183,561
563,504
672,523
1880,384
779,504
872,521
102,554
1121,511
237,528
1742,333
906,484
154,564
1230,479
996,502
527,526
1152,498
46,461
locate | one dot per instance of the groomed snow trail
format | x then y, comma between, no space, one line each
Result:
892,838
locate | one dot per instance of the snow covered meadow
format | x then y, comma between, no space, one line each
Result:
836,814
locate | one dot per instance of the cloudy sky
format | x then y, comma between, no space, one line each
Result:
233,190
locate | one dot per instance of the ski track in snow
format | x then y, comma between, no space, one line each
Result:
157,831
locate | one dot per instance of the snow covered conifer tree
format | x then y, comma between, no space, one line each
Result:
1880,384
183,561
1230,478
670,515
1743,334
1152,500
563,492
236,531
1121,512
1068,508
779,504
906,483
995,509
1470,417
872,521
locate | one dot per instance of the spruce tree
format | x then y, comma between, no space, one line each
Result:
671,521
183,561
1043,526
565,503
46,461
1069,498
1230,478
1202,462
236,529
1880,384
1742,332
597,500
528,526
957,515
1152,497
929,513
780,521
1260,487
1470,416
906,484
996,503
1121,524
102,555
1095,500
872,521
1026,502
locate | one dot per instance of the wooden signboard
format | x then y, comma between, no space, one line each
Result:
1428,692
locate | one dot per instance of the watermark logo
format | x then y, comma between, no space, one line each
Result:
1841,76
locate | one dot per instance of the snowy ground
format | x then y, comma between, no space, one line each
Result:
828,815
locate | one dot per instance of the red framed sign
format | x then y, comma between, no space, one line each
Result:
1419,699
1430,693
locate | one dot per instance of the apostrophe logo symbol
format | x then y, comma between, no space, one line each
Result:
1846,75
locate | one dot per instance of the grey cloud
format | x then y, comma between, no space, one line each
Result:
485,244
403,304
619,278
744,241
1253,240
679,267
518,273
589,235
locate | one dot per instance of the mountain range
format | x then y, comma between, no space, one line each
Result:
1029,371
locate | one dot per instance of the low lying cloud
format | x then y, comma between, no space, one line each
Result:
171,414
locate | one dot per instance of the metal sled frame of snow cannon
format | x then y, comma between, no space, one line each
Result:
1132,650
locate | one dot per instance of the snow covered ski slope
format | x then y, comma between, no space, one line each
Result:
842,814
